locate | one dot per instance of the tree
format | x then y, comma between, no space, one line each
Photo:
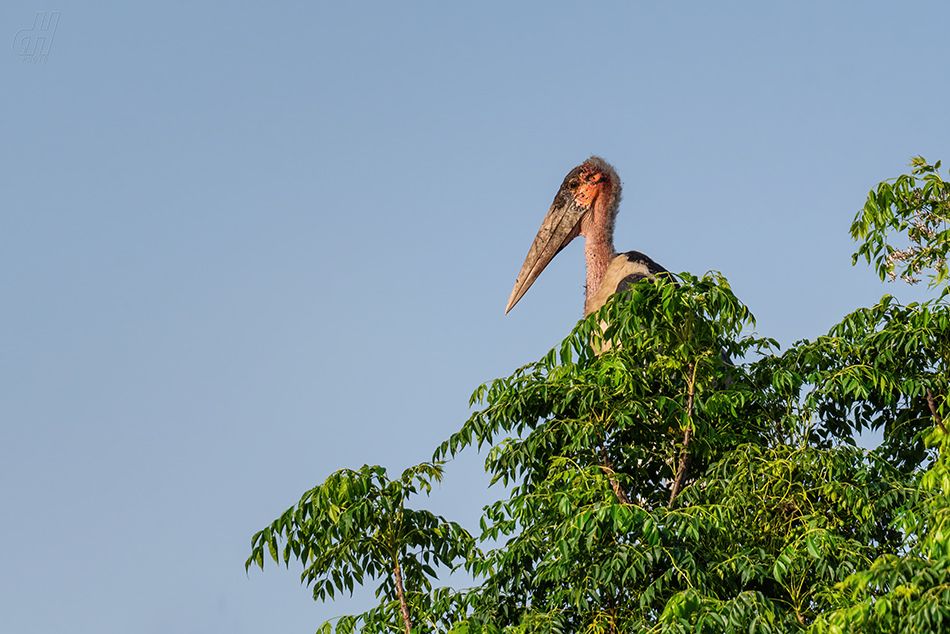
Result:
356,525
908,591
657,487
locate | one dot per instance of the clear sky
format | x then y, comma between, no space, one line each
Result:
243,245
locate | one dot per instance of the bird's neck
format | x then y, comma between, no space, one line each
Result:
599,252
598,232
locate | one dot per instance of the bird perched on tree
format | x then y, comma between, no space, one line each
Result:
586,205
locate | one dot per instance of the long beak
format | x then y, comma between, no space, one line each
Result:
560,226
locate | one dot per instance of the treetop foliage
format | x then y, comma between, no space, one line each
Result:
666,469
915,212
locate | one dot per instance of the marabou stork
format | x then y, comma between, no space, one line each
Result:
586,205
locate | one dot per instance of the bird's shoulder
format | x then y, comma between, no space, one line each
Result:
632,267
640,262
624,270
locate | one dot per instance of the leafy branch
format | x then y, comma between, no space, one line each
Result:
356,525
914,206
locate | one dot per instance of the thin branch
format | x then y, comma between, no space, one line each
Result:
403,607
684,457
608,470
933,411
684,466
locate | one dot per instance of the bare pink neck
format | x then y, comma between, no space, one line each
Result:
598,235
599,254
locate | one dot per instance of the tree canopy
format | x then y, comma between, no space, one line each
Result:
654,485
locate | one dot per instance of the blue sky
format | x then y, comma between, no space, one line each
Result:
245,245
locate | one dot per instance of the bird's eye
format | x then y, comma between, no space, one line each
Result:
573,183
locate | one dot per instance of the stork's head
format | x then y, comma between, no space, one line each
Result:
586,205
